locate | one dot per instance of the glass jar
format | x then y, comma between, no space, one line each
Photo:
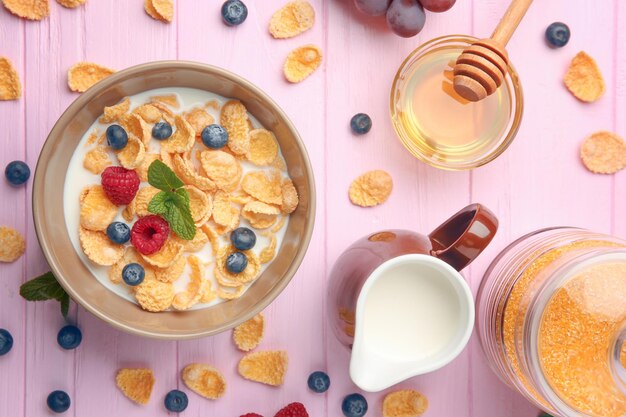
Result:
438,126
551,317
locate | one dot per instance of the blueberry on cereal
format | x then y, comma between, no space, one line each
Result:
176,401
243,238
6,342
234,12
162,131
236,262
118,232
117,138
133,274
17,172
214,136
58,401
69,337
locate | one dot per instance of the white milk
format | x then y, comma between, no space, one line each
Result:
78,177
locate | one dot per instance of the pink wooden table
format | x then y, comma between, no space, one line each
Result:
538,182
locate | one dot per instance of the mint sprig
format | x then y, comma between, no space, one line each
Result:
172,202
46,287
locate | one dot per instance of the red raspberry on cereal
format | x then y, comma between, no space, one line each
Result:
149,234
293,410
120,184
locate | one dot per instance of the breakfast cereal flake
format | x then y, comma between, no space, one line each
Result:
371,188
222,168
267,367
188,174
166,256
166,113
150,10
603,153
234,118
290,197
10,87
183,138
247,275
136,384
404,403
263,147
204,380
199,118
96,210
302,62
164,8
154,295
171,273
264,186
259,214
12,244
196,244
230,293
200,205
222,209
132,155
71,4
28,9
142,200
248,335
148,112
97,159
99,248
83,75
292,19
584,79
135,125
167,99
115,112
142,169
192,294
268,252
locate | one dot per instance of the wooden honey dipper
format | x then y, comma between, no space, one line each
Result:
482,67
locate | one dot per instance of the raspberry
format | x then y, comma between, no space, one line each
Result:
251,415
149,234
120,184
293,410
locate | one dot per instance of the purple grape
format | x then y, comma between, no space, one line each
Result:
406,17
437,6
372,7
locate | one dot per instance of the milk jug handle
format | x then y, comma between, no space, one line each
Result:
461,238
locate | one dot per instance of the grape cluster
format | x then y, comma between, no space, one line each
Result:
405,18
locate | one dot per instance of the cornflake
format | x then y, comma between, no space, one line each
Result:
263,148
28,9
71,4
183,138
227,278
584,79
96,210
115,112
97,159
136,126
199,119
12,244
371,188
200,205
164,8
267,367
204,380
148,112
142,200
136,384
167,99
83,75
234,118
290,197
268,252
166,256
264,186
248,335
603,153
404,403
10,87
130,256
292,19
222,168
192,294
131,156
171,273
259,214
302,62
142,169
99,248
154,295
187,173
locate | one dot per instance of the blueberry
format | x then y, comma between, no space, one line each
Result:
354,405
69,337
236,262
133,274
360,123
117,138
234,12
59,401
6,342
557,34
319,382
118,232
17,172
243,238
214,136
162,131
176,401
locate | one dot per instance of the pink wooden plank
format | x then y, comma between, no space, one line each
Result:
539,181
619,189
12,214
295,321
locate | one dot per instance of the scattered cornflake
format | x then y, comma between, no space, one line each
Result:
263,147
248,335
292,19
115,112
12,244
154,295
167,99
99,248
290,197
404,403
96,210
97,159
136,384
371,188
136,126
164,9
10,86
142,169
186,172
222,168
191,296
150,10
268,252
142,200
204,380
132,155
83,75
584,79
130,256
265,186
199,119
603,153
234,118
148,112
71,4
28,9
183,138
171,273
267,367
302,62
227,278
259,214
166,256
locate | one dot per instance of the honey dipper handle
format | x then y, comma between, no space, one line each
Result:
509,22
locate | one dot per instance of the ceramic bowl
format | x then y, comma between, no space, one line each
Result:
53,235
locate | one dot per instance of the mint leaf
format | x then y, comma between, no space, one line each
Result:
158,203
162,177
184,194
46,287
180,220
